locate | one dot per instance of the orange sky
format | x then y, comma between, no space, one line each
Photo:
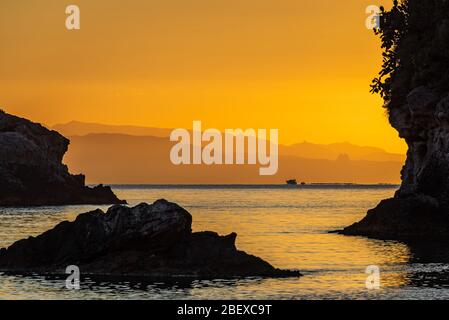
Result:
301,66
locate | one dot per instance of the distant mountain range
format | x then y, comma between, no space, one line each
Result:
335,150
132,154
77,128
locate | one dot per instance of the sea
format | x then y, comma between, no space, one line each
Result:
288,226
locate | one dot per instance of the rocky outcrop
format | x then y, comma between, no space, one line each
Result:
31,169
420,208
146,241
414,83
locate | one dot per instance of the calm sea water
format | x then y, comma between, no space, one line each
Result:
286,226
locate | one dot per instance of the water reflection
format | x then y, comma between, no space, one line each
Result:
429,264
286,227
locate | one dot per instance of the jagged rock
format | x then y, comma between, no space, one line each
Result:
420,102
146,241
417,217
420,207
31,169
416,89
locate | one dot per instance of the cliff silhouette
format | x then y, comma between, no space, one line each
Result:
32,172
414,82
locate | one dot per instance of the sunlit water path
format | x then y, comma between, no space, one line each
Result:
286,226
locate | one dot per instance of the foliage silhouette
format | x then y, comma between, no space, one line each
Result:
415,41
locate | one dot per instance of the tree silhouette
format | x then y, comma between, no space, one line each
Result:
415,41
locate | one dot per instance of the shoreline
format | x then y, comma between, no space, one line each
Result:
251,186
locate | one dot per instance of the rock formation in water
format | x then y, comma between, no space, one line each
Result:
31,169
152,241
414,82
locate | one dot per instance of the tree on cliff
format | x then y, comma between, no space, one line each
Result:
415,43
414,82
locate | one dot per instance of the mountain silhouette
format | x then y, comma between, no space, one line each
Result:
138,159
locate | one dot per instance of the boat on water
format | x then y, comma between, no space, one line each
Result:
293,182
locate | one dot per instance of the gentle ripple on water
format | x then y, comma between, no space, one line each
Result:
286,226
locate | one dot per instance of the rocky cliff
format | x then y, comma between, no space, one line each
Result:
31,169
420,207
153,241
414,82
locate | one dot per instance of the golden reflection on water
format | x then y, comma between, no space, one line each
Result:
287,227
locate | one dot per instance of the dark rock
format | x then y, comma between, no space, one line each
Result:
421,101
143,241
417,217
415,89
420,208
31,169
